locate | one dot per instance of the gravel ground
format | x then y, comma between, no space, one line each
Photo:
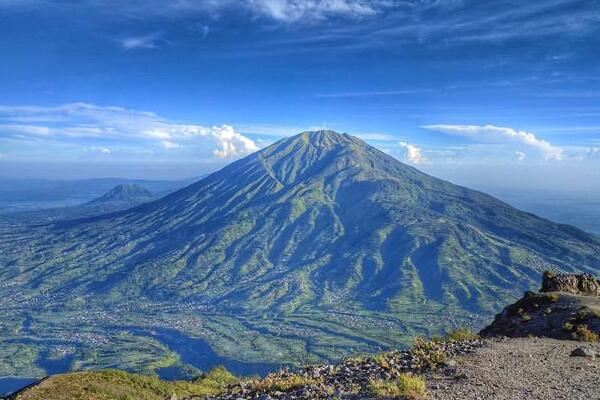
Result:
519,369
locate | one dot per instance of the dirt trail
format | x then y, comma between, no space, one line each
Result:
520,369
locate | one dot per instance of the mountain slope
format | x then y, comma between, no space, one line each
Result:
315,218
314,224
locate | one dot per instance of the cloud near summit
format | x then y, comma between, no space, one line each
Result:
501,135
81,122
414,154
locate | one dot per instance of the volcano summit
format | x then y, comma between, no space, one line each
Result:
314,247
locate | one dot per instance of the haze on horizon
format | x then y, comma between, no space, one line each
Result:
500,94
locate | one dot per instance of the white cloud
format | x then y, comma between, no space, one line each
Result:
381,137
231,143
149,41
100,149
167,144
414,154
593,152
520,156
88,121
294,10
496,134
287,11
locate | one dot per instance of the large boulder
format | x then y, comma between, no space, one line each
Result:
581,284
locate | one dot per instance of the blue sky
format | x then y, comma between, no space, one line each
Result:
148,89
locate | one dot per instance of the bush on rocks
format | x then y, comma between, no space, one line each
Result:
406,386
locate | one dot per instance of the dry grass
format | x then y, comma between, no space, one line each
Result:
551,297
462,335
382,360
427,354
284,383
585,334
406,386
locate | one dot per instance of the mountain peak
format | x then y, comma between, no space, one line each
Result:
323,134
126,192
324,137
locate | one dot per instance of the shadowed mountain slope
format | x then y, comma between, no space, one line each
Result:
318,220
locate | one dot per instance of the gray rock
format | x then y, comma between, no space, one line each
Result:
584,351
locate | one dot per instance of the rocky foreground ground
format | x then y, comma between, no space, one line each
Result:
494,369
520,368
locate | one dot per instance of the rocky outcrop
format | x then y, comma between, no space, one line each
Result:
567,307
350,378
582,284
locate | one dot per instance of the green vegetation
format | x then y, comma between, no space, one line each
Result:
407,386
381,360
119,385
426,354
462,334
284,384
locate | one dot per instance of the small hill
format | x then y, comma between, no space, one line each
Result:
567,307
125,193
119,198
113,384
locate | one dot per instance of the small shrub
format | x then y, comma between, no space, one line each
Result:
524,315
549,275
552,297
567,326
427,354
585,313
406,386
356,359
284,383
462,335
381,360
548,311
585,334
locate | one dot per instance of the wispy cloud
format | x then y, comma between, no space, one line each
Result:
497,134
593,152
294,10
374,136
414,154
100,149
288,11
520,156
93,122
148,41
373,22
